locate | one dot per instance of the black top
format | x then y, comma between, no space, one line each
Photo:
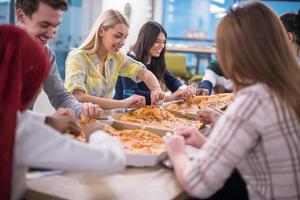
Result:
140,88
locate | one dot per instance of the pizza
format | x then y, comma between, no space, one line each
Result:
134,141
141,141
193,103
159,118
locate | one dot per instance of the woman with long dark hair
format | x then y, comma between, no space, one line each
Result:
150,49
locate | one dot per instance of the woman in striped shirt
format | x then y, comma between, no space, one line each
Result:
259,133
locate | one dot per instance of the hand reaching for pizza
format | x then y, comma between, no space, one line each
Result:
174,145
134,101
209,115
192,136
90,128
157,97
64,123
183,93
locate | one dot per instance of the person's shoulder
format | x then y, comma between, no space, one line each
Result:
215,67
77,54
50,51
260,91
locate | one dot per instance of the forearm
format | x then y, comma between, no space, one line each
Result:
149,79
180,163
102,102
170,97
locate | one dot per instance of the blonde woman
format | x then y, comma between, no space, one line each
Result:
93,68
259,133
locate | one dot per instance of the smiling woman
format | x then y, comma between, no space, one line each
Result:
93,68
150,50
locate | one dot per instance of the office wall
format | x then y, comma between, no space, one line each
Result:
140,13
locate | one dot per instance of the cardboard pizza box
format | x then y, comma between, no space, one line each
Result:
144,160
121,125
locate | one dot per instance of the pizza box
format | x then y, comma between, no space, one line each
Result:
137,159
120,125
189,114
144,160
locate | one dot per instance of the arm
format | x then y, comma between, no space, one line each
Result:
56,92
232,138
172,82
149,79
38,145
209,80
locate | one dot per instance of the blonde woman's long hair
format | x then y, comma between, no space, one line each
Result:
107,20
252,47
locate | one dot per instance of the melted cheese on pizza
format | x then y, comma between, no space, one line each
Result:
159,118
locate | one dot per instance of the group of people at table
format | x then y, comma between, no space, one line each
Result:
258,135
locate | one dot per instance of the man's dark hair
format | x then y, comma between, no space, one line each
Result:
291,22
31,6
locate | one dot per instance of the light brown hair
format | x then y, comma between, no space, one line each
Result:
107,20
253,48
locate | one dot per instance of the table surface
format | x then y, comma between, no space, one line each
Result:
134,183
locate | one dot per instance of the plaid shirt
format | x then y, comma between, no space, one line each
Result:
260,136
82,72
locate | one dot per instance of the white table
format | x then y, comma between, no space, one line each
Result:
134,183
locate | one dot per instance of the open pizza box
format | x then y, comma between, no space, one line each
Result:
140,159
189,114
121,125
137,159
144,160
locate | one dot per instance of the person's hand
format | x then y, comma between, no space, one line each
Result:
174,145
192,136
90,110
219,89
63,112
64,123
157,96
184,93
209,115
202,92
90,128
134,101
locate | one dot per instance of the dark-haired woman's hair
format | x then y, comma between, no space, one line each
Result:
146,39
291,22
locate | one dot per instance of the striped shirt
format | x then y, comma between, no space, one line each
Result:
260,136
82,72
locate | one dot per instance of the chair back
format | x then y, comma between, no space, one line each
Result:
176,64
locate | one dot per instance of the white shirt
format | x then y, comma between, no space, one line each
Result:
39,145
215,80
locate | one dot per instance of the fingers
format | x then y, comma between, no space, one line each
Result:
136,101
63,112
157,96
202,91
90,110
185,131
